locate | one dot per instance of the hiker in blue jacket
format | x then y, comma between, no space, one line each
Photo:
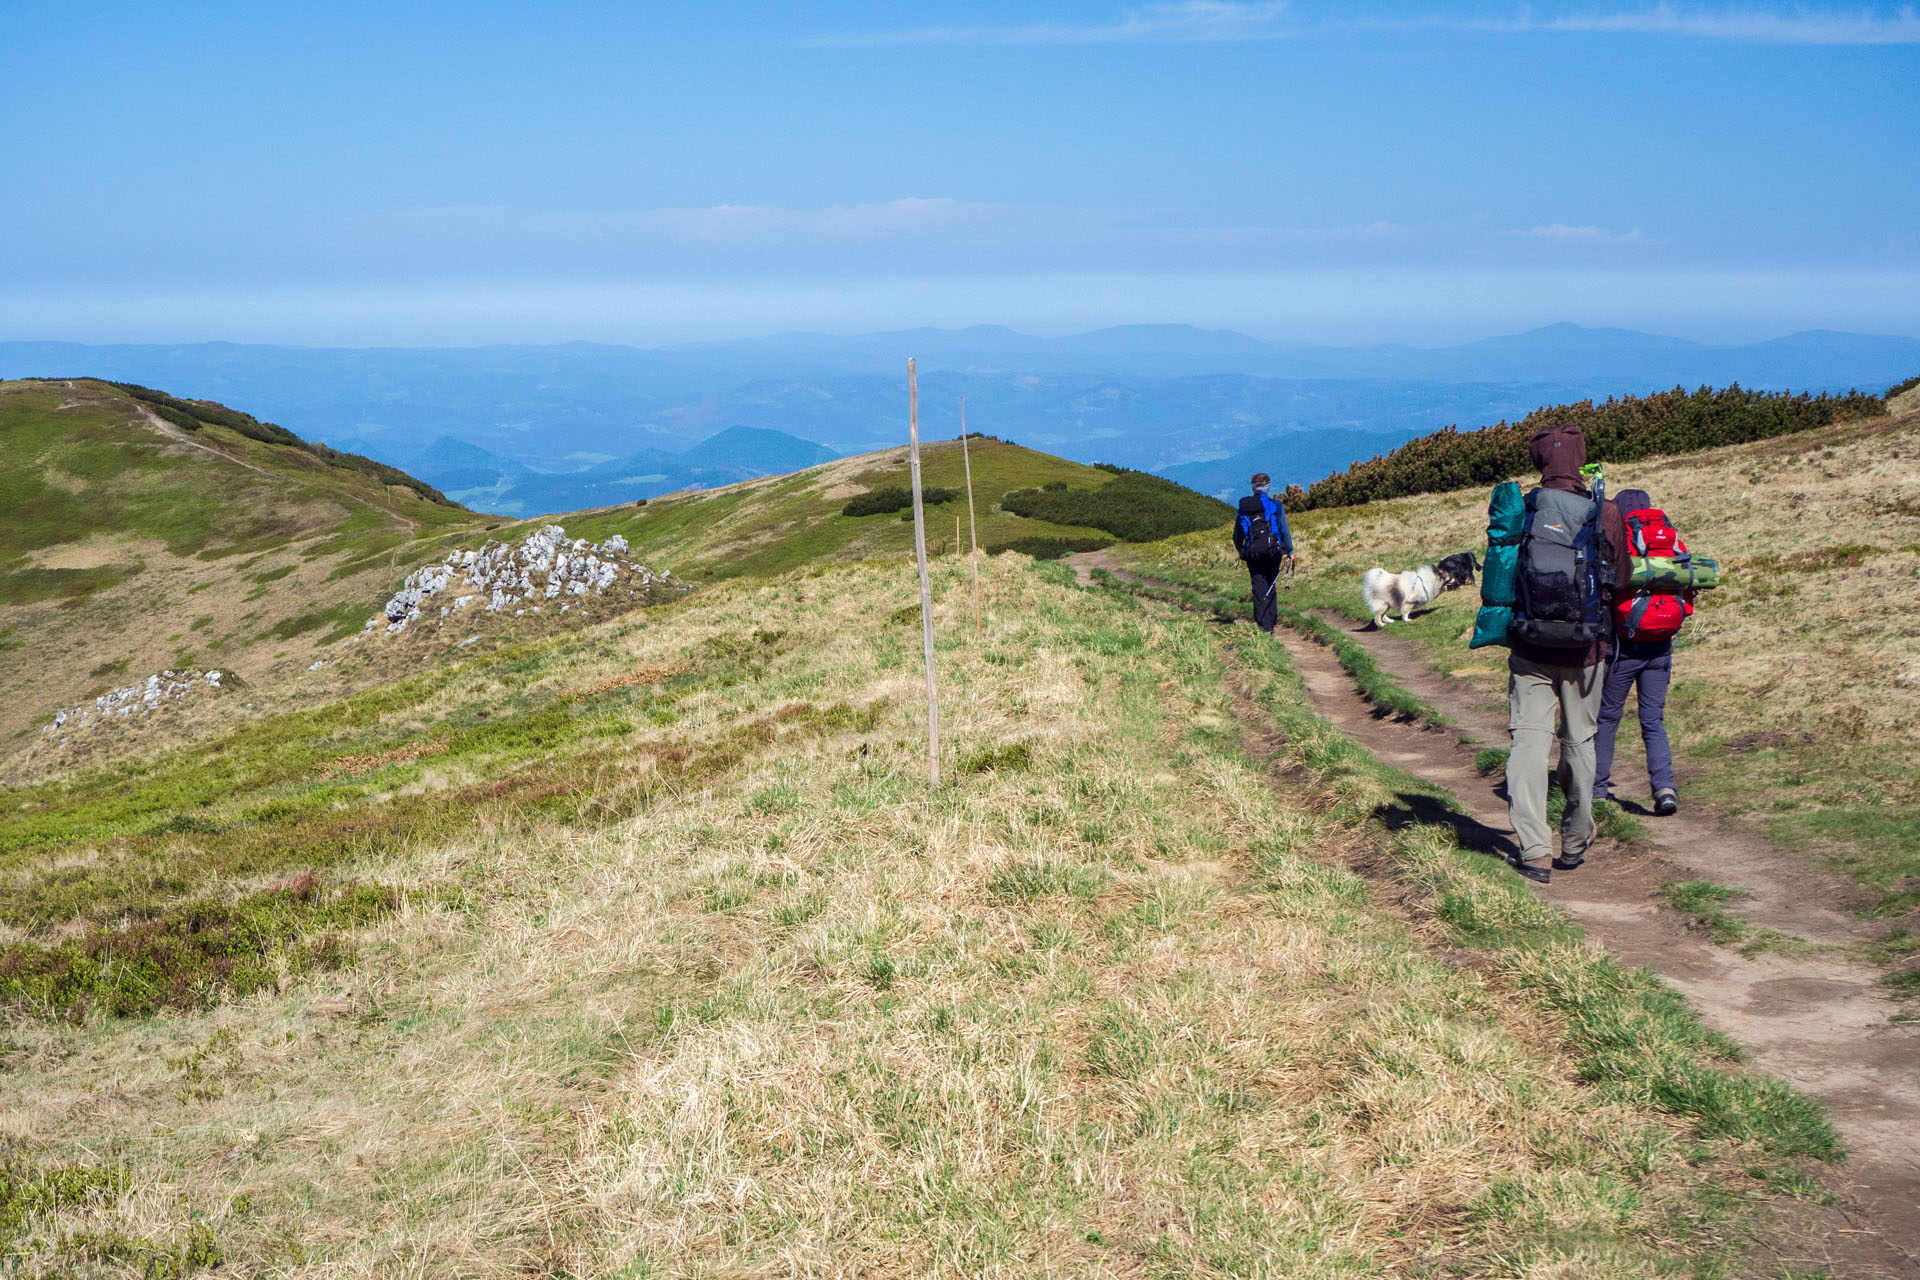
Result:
1263,540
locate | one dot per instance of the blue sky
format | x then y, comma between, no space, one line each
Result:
454,173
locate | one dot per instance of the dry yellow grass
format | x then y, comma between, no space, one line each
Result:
354,766
1115,1012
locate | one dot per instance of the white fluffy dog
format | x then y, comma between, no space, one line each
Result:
1385,592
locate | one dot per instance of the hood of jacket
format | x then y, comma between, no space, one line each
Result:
1560,452
1632,500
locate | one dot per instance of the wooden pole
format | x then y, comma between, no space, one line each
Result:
926,588
973,526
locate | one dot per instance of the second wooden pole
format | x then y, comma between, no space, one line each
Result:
926,588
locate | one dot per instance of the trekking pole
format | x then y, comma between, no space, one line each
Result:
1289,573
920,557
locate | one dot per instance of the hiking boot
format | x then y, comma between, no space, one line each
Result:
1564,863
1666,802
1533,871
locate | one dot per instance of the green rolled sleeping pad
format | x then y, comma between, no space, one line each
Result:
1674,573
1506,520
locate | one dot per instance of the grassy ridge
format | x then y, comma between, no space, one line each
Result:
191,415
1107,1002
82,464
128,548
840,511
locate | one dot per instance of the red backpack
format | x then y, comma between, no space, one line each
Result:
1652,615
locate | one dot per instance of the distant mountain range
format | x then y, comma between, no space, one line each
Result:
1295,457
488,482
566,426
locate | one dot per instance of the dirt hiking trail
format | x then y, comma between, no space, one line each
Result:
1810,1016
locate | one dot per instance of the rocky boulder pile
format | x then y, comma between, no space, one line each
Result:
144,698
499,577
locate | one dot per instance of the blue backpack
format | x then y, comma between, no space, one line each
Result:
1260,542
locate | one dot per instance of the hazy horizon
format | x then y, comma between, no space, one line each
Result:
1760,335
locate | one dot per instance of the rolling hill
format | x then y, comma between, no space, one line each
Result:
147,534
773,525
133,542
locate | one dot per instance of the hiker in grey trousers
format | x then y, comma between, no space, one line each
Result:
1545,684
1645,668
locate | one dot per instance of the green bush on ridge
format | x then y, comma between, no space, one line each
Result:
1133,506
891,498
1622,430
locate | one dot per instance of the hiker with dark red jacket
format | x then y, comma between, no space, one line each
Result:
1572,564
1642,657
1262,538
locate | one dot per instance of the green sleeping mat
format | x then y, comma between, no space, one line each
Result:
1675,573
1506,520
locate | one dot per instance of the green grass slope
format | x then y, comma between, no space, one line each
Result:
770,526
138,536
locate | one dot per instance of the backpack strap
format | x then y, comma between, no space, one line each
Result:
1637,614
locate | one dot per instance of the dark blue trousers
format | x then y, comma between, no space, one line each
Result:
1266,585
1647,669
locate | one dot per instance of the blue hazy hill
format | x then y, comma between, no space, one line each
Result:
500,486
1294,457
567,424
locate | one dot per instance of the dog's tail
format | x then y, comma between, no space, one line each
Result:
1373,590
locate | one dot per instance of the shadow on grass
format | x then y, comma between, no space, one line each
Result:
1411,809
1415,616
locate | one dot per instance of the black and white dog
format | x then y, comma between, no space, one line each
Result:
1386,592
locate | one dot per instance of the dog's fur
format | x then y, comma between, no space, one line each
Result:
1385,592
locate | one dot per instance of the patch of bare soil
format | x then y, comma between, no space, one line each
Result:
1819,1021
1083,563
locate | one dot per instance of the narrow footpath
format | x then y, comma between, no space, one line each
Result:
1810,1015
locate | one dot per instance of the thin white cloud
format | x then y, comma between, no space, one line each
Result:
1186,22
1223,21
1744,26
904,235
1752,26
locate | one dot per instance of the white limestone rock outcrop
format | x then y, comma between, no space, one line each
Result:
546,566
166,689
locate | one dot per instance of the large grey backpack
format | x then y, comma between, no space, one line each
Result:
1563,571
